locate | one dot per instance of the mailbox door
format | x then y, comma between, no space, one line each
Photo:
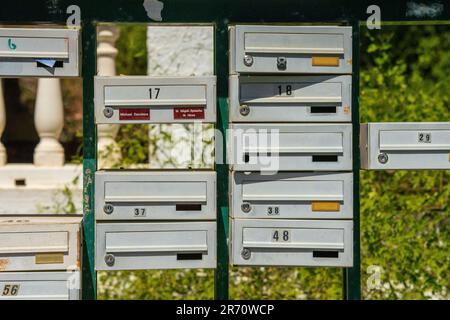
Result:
271,242
291,147
291,49
31,244
39,52
40,285
290,99
155,245
289,195
418,145
155,195
143,99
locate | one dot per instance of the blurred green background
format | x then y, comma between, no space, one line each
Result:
405,215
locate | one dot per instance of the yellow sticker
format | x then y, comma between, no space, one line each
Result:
326,206
49,258
346,109
325,61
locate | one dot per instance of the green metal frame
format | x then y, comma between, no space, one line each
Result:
221,13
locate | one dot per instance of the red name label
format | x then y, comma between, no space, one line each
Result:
134,114
189,113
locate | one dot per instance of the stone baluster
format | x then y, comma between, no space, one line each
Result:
108,151
2,126
49,120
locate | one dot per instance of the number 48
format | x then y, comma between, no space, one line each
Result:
281,236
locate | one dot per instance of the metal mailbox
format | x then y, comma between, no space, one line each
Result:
400,145
155,245
40,285
273,242
290,195
155,195
143,99
40,243
39,52
290,99
291,147
290,49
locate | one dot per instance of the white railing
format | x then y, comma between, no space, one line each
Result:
49,184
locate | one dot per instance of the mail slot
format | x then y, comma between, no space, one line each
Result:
291,147
40,243
410,145
39,52
142,99
292,195
40,285
154,245
290,49
272,242
290,99
155,195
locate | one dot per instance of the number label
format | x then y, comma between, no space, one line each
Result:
424,137
10,290
140,212
154,93
281,236
285,90
273,211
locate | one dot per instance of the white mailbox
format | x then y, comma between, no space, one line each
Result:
290,49
143,99
291,147
40,243
400,145
155,195
290,99
40,285
155,245
273,242
291,195
39,52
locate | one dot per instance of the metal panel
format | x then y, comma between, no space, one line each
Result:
290,99
291,195
39,52
273,242
155,195
291,49
413,145
143,99
291,147
40,243
135,246
40,285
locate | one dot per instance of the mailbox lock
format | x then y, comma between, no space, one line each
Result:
109,259
246,207
108,208
246,253
248,60
383,158
244,110
108,112
281,63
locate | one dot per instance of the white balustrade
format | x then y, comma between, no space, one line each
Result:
108,151
49,121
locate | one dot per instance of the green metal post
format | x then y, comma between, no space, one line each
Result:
89,65
352,276
221,70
